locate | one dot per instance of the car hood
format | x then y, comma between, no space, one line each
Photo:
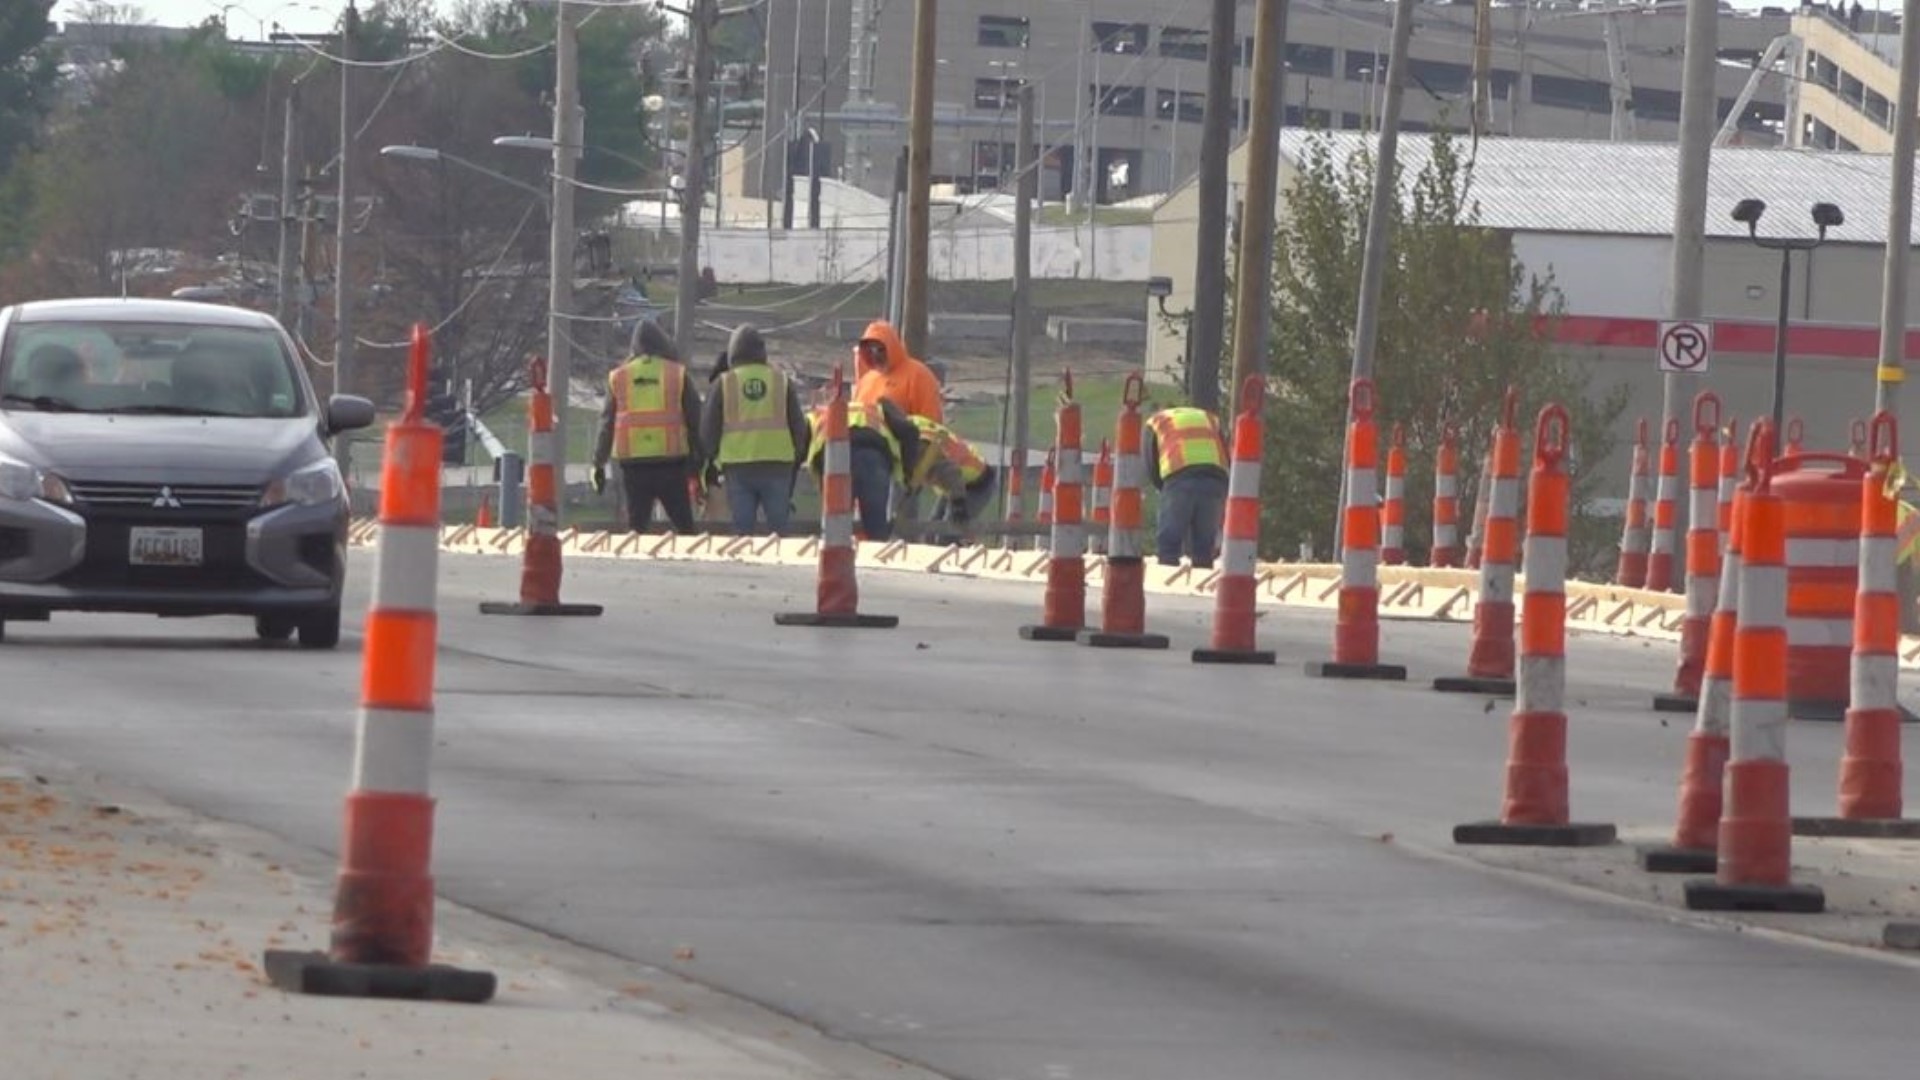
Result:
175,449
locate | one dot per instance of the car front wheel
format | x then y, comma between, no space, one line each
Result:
321,629
273,627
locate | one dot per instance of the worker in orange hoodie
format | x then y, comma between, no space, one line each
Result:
887,371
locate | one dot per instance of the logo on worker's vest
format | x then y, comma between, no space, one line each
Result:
753,388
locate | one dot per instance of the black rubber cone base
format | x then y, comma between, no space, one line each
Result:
1675,703
1049,633
318,974
1860,828
850,621
1468,684
1327,669
1710,895
1901,935
1101,639
499,608
1575,834
1826,712
1233,656
1668,859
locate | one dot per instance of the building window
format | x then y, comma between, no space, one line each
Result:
1003,31
1126,38
1182,43
1122,100
1442,78
1661,105
1309,59
1584,95
1350,121
1187,105
993,159
996,93
1366,66
1878,109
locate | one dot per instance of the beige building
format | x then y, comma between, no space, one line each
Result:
1599,217
1846,79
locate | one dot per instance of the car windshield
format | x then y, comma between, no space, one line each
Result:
159,369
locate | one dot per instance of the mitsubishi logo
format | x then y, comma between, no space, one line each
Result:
166,500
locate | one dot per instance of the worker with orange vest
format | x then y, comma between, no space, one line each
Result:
953,469
880,442
1187,461
651,428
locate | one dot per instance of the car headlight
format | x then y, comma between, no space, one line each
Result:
310,485
19,480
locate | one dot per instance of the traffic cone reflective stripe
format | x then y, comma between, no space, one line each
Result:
1394,509
1703,554
837,590
1047,480
1446,502
1482,497
1234,618
1660,562
1635,536
1534,809
1064,610
1870,769
1356,633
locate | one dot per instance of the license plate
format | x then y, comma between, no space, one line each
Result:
164,547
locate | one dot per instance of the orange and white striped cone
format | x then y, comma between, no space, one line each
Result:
1235,640
1755,866
1446,502
837,594
1535,810
1047,480
383,906
1356,631
1123,600
1482,496
1016,485
1703,555
540,566
1063,611
1730,450
1696,828
1662,560
1490,659
1796,436
1635,533
1870,767
1102,499
483,517
1393,511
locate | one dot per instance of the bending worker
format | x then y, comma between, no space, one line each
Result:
757,429
954,470
879,440
650,427
1187,461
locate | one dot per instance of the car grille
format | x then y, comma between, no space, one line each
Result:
164,496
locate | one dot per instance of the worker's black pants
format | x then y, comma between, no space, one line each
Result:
645,482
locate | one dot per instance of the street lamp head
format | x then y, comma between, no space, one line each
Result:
1159,287
1828,216
411,153
525,142
653,103
1747,212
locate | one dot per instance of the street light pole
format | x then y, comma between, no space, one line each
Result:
694,181
567,139
1825,216
342,231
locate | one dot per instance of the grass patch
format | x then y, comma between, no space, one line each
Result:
1099,399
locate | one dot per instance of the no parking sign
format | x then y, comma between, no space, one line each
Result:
1686,348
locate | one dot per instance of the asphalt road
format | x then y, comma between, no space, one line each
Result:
997,858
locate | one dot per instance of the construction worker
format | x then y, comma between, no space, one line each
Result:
651,427
757,429
1187,461
887,371
950,466
880,440
1907,569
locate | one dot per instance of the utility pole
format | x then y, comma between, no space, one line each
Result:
342,230
897,242
1893,288
1206,325
1482,67
567,142
693,179
793,125
913,313
1374,256
1252,304
283,294
1026,185
1698,105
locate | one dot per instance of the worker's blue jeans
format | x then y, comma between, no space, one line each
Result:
872,488
1191,508
759,488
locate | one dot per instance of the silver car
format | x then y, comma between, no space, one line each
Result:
168,458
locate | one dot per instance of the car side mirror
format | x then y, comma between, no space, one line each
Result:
348,412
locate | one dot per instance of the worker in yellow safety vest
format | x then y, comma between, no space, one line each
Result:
650,428
1187,461
880,440
756,428
1906,547
952,468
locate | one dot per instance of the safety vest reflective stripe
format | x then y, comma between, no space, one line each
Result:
858,416
753,411
938,442
649,423
1187,437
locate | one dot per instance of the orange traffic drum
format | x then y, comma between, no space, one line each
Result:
1822,496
